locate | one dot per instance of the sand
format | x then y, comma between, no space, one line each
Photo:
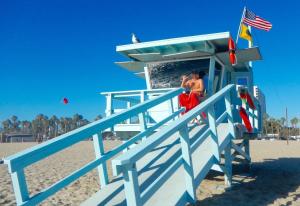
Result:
274,178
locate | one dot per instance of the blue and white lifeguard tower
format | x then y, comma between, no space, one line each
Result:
161,63
164,157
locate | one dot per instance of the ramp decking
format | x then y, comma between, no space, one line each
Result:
155,163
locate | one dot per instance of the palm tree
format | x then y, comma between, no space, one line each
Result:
38,127
278,127
63,126
98,117
282,121
54,123
265,122
77,118
294,122
15,123
7,125
26,126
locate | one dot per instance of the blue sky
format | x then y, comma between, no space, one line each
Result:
55,49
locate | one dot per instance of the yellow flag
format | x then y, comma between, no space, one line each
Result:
245,33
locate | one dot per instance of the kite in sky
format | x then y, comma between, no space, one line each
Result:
65,100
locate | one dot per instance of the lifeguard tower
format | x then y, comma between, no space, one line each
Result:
164,157
162,63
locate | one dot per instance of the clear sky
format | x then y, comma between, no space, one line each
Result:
52,49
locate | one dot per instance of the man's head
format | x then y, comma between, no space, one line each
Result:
195,74
201,74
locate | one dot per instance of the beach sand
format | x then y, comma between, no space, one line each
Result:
274,178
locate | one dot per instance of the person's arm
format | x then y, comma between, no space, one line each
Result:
200,89
185,82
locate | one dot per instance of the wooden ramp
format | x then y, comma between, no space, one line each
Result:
154,163
169,159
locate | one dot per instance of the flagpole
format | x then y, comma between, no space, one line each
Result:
237,36
250,44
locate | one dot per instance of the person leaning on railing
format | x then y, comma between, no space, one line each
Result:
194,90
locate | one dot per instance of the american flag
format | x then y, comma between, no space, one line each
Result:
253,20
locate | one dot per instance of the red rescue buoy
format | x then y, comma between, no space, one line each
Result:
232,57
231,44
245,119
231,48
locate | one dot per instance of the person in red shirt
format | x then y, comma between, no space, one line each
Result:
194,90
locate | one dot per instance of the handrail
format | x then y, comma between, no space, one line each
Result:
149,144
17,162
41,151
137,92
126,162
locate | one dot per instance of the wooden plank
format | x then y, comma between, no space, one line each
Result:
133,66
20,186
151,189
221,118
187,164
64,182
211,76
174,41
230,119
142,115
134,139
200,139
131,185
160,161
228,165
214,132
99,152
240,151
205,170
247,149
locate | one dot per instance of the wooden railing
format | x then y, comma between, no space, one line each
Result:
126,163
16,163
134,97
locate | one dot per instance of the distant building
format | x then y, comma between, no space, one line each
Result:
259,95
19,137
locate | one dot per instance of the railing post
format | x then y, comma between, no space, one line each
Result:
256,120
213,132
19,186
99,152
109,107
142,116
229,115
247,147
187,164
227,152
228,165
128,121
131,185
211,75
171,107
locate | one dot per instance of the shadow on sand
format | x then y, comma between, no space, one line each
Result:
269,182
